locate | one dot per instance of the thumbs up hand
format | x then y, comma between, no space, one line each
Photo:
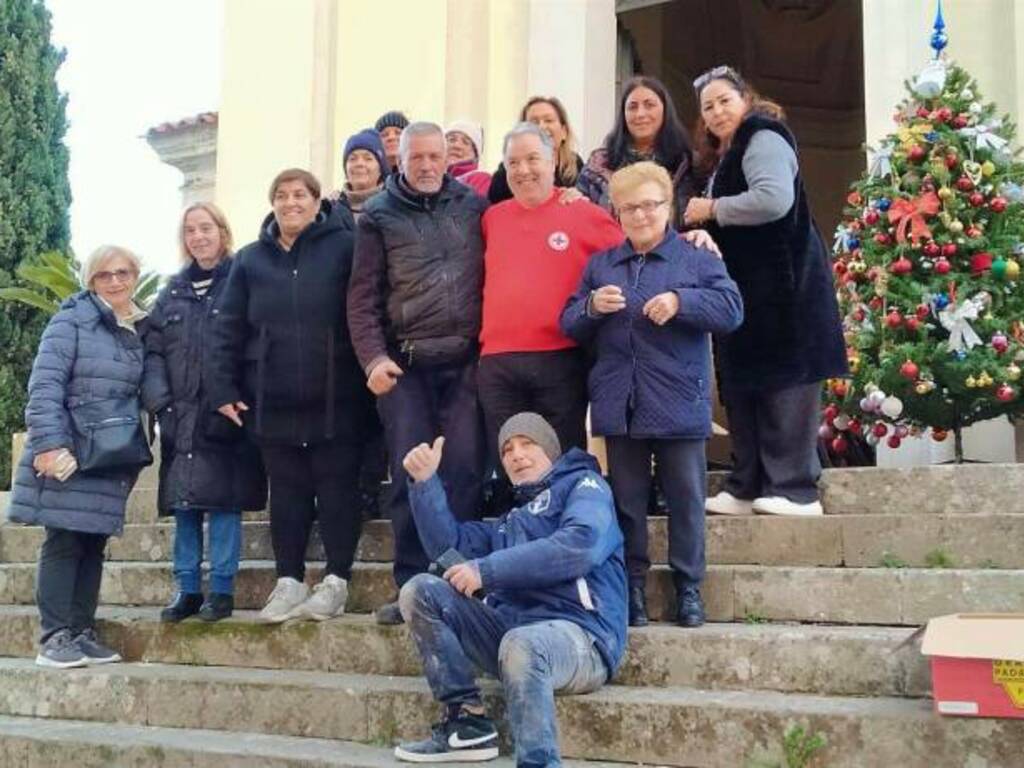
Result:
423,460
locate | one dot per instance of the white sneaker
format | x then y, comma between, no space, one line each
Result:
287,596
327,601
724,503
779,505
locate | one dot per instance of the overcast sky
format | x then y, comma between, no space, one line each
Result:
132,64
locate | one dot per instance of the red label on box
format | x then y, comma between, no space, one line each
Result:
978,687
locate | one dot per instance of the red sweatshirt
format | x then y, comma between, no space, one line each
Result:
533,263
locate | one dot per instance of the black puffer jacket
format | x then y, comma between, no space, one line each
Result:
279,340
84,356
207,462
417,281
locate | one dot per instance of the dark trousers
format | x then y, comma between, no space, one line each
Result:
553,384
314,482
425,403
682,471
775,442
68,580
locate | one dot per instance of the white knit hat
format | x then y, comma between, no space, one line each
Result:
472,130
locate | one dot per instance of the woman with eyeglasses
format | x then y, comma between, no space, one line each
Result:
83,392
645,309
549,114
772,367
647,127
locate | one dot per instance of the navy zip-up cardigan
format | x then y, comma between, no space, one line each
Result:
652,381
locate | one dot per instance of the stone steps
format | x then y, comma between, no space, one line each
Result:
964,541
834,660
36,742
666,726
908,596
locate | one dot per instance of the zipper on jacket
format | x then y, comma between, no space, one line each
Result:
641,260
300,383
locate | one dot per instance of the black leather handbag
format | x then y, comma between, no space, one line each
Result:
108,435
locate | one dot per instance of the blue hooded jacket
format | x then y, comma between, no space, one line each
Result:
556,555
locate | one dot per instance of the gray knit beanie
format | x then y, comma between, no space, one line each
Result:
535,427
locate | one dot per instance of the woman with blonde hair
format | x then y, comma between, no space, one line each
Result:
645,309
550,115
208,467
85,448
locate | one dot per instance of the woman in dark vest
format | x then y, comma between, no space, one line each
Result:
772,367
281,363
209,468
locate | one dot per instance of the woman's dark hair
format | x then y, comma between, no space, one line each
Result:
671,145
706,144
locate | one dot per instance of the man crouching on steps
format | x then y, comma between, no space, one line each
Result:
539,601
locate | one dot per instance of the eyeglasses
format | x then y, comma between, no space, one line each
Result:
121,275
647,207
717,73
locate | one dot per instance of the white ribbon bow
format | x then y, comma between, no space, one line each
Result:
881,163
984,136
955,320
839,245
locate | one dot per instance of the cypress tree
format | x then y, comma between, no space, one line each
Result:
34,190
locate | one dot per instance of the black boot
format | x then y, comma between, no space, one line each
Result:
691,608
217,606
185,604
637,607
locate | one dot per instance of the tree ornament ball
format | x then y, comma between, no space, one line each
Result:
893,441
945,193
938,435
976,199
1005,393
871,217
909,370
916,153
981,262
974,232
882,238
922,312
825,432
880,429
1013,372
942,266
1012,269
894,319
949,250
999,268
970,382
923,387
964,184
997,204
840,388
892,407
912,324
988,168
931,249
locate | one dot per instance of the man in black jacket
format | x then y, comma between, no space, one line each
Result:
414,315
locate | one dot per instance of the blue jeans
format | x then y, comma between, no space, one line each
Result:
453,633
225,549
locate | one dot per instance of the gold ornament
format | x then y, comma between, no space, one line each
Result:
988,168
956,226
972,171
984,380
970,383
922,388
1012,372
1012,269
945,193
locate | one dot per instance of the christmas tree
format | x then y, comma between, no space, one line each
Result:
928,270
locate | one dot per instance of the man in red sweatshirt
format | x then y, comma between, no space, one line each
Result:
536,249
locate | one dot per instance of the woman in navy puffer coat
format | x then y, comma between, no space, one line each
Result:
91,350
645,308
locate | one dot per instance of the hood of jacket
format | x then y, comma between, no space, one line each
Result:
328,219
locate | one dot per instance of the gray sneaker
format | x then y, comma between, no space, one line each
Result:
95,652
61,651
288,595
327,601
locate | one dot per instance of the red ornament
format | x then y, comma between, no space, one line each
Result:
882,239
894,441
902,266
912,324
938,435
839,388
922,311
974,232
871,217
1005,393
949,250
859,314
1000,343
909,370
931,249
951,161
942,266
854,198
960,121
976,199
839,444
964,184
923,112
916,154
997,204
981,263
875,303
944,114
894,319
839,268
854,427
880,429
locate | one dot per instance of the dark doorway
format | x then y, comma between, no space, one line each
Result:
807,55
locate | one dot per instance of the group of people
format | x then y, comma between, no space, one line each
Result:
460,323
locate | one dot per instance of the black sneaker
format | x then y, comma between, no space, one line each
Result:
389,613
60,651
95,651
217,606
461,737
